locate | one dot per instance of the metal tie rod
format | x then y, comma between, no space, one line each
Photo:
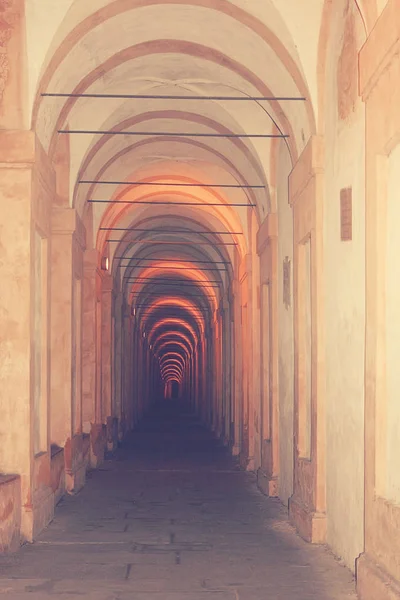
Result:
132,282
207,262
170,310
170,295
168,203
183,282
170,230
175,97
172,243
169,184
173,134
172,280
173,268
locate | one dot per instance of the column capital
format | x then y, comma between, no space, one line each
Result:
268,230
17,147
66,221
381,46
91,259
310,164
245,267
106,283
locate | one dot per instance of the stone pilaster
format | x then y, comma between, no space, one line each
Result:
267,249
307,506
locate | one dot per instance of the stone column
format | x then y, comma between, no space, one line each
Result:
237,369
117,364
67,245
127,409
246,325
267,249
106,356
378,568
27,186
307,505
89,339
91,355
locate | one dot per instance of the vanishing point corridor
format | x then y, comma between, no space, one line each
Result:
199,299
172,518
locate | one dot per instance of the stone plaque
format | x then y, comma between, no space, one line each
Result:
346,215
286,282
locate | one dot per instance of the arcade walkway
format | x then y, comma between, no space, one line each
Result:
172,518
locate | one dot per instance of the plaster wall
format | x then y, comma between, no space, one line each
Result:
42,18
285,330
391,484
378,569
344,286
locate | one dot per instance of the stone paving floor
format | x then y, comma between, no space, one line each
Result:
172,518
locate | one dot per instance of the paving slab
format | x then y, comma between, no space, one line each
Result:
172,517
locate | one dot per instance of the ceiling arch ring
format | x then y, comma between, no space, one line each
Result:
120,6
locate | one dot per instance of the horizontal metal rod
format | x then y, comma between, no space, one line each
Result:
169,184
161,297
146,314
175,97
176,280
173,134
170,230
167,282
132,282
167,203
204,262
168,311
159,294
177,243
152,320
170,307
173,268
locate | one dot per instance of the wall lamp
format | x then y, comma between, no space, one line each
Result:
105,263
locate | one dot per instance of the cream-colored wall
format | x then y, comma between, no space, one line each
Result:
344,266
42,18
391,489
285,330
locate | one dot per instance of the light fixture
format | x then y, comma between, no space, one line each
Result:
105,263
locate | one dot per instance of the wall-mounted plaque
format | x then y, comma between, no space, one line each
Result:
346,215
286,282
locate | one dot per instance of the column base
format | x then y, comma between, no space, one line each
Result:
112,434
10,509
97,445
310,524
57,472
235,450
36,516
75,464
267,484
374,582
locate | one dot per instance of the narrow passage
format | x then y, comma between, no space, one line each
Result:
171,517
